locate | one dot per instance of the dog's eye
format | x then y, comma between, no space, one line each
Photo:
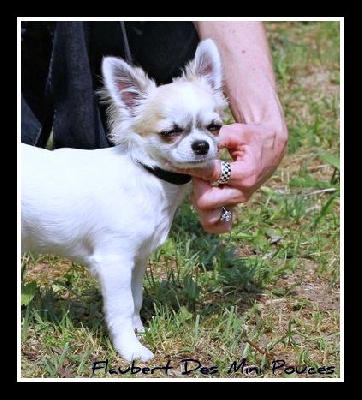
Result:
213,128
170,134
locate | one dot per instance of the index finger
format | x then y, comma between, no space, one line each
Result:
234,138
209,173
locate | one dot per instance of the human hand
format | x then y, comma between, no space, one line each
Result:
256,151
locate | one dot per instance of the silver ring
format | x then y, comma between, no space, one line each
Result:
224,174
225,215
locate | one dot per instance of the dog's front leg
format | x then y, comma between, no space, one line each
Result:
116,281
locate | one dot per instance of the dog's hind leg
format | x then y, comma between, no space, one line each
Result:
115,274
137,287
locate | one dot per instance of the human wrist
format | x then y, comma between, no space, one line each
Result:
255,101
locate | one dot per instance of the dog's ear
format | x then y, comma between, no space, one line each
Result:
206,64
127,86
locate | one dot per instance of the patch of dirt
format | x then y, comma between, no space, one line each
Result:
49,268
306,284
319,77
318,292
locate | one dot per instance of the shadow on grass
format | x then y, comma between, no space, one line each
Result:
67,309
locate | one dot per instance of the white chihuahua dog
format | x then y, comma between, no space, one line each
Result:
109,209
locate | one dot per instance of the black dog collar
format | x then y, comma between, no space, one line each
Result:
168,176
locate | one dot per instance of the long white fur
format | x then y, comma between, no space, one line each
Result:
102,209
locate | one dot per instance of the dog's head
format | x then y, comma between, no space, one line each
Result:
176,122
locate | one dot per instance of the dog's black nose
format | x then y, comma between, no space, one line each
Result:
200,147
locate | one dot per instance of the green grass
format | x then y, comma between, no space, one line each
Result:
236,304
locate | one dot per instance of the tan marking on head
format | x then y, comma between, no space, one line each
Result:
174,103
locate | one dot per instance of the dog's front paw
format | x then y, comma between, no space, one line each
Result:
131,349
138,352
